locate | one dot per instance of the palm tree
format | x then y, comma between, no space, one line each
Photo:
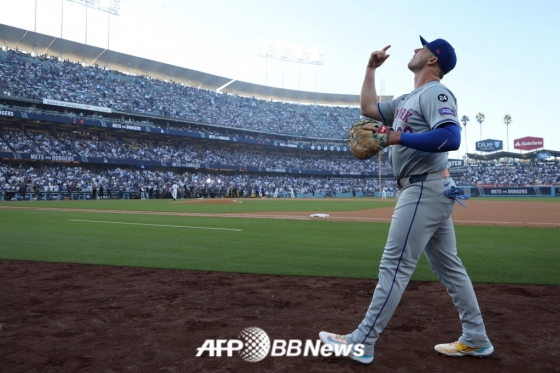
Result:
507,121
465,119
480,118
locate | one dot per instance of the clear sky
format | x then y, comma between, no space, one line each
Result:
508,51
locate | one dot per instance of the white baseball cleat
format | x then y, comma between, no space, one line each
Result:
338,340
460,349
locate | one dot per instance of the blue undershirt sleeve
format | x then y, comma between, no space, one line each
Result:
444,138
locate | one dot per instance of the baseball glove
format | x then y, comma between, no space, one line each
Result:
365,143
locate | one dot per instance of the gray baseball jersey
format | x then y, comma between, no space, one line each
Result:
421,221
420,111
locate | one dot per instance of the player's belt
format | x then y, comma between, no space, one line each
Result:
406,181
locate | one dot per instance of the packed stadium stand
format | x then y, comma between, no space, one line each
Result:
23,76
108,145
134,136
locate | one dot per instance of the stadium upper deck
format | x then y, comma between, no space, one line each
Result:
37,43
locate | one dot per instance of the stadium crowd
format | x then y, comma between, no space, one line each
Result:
190,127
25,76
103,145
515,175
106,146
31,178
44,77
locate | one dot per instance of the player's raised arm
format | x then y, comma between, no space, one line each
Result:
368,96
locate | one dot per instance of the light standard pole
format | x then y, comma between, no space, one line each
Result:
108,6
35,27
108,28
288,55
61,16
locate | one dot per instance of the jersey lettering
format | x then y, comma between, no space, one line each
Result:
406,129
404,114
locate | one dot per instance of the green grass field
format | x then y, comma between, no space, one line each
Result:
267,246
247,205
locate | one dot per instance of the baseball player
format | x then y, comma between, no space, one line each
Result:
424,126
174,188
384,193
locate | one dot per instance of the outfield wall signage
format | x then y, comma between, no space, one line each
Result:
453,163
489,145
514,191
75,105
528,143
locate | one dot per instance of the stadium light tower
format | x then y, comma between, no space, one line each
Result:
108,6
286,53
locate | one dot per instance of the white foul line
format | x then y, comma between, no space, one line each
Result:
155,225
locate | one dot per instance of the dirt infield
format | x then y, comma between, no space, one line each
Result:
85,318
478,212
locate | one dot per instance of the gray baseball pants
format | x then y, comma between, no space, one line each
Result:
421,223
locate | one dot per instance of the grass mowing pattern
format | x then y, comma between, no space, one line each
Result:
247,205
311,248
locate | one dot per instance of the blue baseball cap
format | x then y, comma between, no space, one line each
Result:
444,52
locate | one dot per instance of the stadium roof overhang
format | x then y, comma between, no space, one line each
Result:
498,155
30,41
